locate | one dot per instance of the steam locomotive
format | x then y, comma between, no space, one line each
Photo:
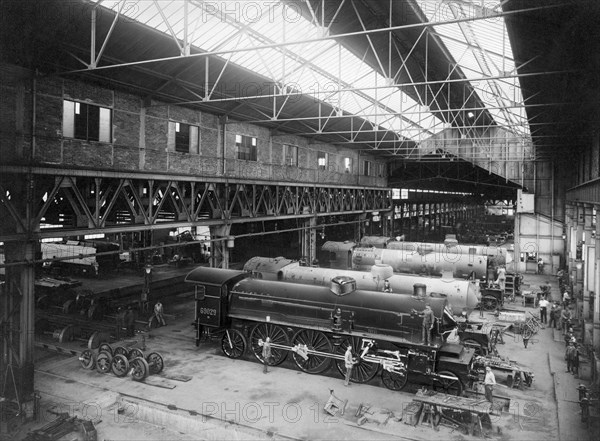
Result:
345,255
461,294
315,324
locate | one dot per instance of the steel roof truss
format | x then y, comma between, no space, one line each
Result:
94,59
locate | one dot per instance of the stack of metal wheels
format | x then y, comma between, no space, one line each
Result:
122,361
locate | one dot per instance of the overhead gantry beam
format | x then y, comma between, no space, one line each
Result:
68,203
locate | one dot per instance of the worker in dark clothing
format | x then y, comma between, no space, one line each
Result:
565,319
130,322
158,313
558,315
553,318
569,356
386,286
120,322
427,326
575,360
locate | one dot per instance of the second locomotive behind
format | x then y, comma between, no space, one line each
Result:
461,294
315,324
346,255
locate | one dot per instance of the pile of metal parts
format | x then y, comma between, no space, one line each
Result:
122,361
64,329
518,376
63,426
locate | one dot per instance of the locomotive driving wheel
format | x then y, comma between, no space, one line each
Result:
314,341
233,343
277,335
394,380
448,382
489,303
363,371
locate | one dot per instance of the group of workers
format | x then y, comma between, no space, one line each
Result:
126,318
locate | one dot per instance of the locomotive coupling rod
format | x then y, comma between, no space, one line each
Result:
367,357
308,351
444,376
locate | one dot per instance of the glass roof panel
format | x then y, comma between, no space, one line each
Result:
479,45
318,68
483,34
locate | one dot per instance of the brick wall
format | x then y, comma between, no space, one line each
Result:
143,139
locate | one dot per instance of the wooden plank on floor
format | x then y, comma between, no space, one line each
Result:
176,377
157,381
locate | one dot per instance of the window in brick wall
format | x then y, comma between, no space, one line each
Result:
86,121
186,138
246,147
290,155
367,168
348,165
322,159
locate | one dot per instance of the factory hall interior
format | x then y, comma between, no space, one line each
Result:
299,220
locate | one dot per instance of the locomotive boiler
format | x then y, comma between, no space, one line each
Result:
461,294
499,255
315,324
429,263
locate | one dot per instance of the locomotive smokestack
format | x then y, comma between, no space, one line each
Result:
419,290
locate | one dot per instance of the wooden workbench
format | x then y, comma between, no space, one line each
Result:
435,403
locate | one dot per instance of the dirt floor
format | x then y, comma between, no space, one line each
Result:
203,395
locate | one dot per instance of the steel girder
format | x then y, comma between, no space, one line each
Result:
83,203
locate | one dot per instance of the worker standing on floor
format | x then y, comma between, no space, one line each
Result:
543,303
130,322
266,354
565,319
569,356
348,364
158,313
489,383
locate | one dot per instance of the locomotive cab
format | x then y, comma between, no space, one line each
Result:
212,288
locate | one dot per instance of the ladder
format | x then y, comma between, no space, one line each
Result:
509,287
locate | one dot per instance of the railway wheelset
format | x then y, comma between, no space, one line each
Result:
122,361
